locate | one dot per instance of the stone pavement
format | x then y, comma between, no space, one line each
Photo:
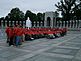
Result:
67,48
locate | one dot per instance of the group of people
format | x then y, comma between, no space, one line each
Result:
14,35
36,33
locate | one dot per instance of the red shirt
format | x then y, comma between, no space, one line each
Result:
19,31
11,33
15,31
7,30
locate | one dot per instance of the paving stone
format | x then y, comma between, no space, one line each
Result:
11,53
46,58
66,51
70,44
76,41
35,42
3,59
34,48
78,55
76,60
68,47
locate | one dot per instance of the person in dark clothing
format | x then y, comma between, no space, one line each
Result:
11,36
7,33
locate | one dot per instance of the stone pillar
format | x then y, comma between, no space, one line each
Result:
54,22
67,24
76,23
60,24
70,23
37,24
12,23
73,23
9,23
63,24
57,24
41,24
80,24
51,23
34,24
5,23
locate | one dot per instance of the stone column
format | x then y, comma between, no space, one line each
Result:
57,23
80,24
70,23
37,24
64,23
34,24
41,24
67,24
73,24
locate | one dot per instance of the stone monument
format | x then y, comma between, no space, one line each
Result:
28,23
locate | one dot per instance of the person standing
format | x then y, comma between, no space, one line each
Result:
11,36
7,33
18,35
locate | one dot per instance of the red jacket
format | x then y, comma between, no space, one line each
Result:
18,31
7,30
11,33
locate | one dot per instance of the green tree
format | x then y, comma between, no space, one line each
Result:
31,15
15,15
77,9
28,14
2,18
66,7
39,16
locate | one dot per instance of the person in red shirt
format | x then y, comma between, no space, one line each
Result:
7,33
18,35
15,31
11,35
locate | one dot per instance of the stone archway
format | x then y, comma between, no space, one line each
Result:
48,21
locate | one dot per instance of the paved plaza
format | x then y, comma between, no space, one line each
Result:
67,48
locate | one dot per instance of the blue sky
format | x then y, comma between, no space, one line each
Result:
33,5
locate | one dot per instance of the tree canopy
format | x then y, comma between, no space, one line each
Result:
31,15
15,14
69,8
